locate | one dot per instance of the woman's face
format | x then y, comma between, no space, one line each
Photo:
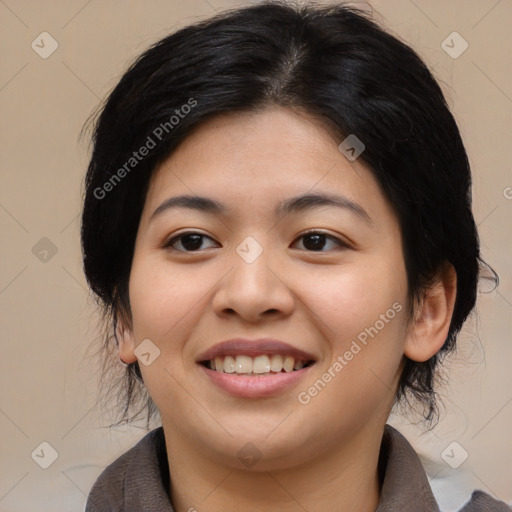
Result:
250,271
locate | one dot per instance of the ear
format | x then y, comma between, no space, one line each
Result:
432,316
126,342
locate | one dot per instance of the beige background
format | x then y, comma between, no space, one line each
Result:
48,323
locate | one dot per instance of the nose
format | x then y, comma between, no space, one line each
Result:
253,291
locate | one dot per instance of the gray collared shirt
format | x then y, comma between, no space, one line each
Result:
138,481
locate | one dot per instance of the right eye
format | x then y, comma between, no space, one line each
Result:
190,242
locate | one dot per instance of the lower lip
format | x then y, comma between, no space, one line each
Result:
255,387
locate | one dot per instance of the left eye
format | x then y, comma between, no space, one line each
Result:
316,241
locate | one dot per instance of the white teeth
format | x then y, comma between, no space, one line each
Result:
260,365
276,363
229,364
298,365
288,363
243,364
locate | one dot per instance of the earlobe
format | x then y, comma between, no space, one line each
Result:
125,342
432,319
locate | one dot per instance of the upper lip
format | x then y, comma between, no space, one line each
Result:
253,348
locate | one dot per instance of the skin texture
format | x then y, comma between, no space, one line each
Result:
319,456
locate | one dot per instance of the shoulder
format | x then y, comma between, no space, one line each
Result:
118,481
482,502
405,485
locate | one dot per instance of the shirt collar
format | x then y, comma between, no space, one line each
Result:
405,487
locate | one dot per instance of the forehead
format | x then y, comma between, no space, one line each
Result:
257,160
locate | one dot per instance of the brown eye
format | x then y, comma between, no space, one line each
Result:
190,242
317,241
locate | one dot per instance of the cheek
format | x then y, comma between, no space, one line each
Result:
165,302
362,312
362,367
163,296
351,299
165,306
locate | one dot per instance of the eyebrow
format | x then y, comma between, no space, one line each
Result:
303,202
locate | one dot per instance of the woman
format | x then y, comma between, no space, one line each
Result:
278,222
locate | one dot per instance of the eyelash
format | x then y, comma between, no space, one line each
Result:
170,242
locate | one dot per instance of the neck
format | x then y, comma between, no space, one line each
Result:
343,479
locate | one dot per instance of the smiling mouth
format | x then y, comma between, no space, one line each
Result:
260,366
